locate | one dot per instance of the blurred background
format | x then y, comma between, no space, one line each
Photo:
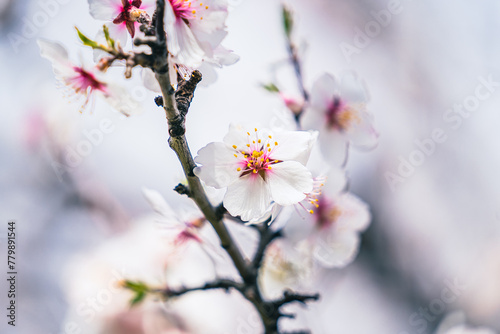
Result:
436,224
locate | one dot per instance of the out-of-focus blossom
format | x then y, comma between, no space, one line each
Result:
258,167
183,229
331,226
122,14
338,110
285,266
295,104
84,83
195,30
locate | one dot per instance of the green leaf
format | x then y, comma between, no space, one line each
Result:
87,41
111,42
138,298
271,87
287,21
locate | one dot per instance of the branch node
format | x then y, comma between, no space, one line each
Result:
182,189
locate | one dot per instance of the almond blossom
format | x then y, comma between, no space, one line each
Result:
331,226
183,229
84,83
338,110
258,167
195,30
122,15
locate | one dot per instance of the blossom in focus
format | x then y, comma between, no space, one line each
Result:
338,110
331,226
183,230
195,30
84,83
258,167
122,14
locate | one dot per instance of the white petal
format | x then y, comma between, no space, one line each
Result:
333,145
247,197
293,145
336,181
158,203
363,134
353,88
105,10
219,165
323,91
149,80
182,44
336,250
289,181
354,216
208,74
119,98
58,56
238,135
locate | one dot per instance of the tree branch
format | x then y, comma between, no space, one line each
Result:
223,284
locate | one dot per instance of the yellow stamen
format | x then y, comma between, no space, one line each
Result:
255,171
311,212
234,146
238,169
236,155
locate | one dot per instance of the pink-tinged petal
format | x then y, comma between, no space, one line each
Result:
118,32
353,88
181,42
248,197
288,182
149,80
313,118
333,145
323,91
336,250
219,165
293,145
105,10
354,213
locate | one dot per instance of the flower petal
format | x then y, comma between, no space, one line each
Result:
58,56
333,145
119,98
323,91
105,10
336,249
218,165
355,215
288,182
149,80
182,44
353,88
293,145
248,197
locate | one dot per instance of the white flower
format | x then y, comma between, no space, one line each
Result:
83,82
338,110
182,230
331,227
258,167
122,14
195,30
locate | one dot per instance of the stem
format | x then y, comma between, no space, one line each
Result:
176,105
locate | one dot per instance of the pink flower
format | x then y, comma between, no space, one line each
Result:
257,167
338,110
195,30
85,83
122,14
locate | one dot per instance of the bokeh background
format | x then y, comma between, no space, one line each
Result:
440,224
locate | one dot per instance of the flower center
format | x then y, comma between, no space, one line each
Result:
326,213
85,82
256,159
341,116
129,13
188,9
